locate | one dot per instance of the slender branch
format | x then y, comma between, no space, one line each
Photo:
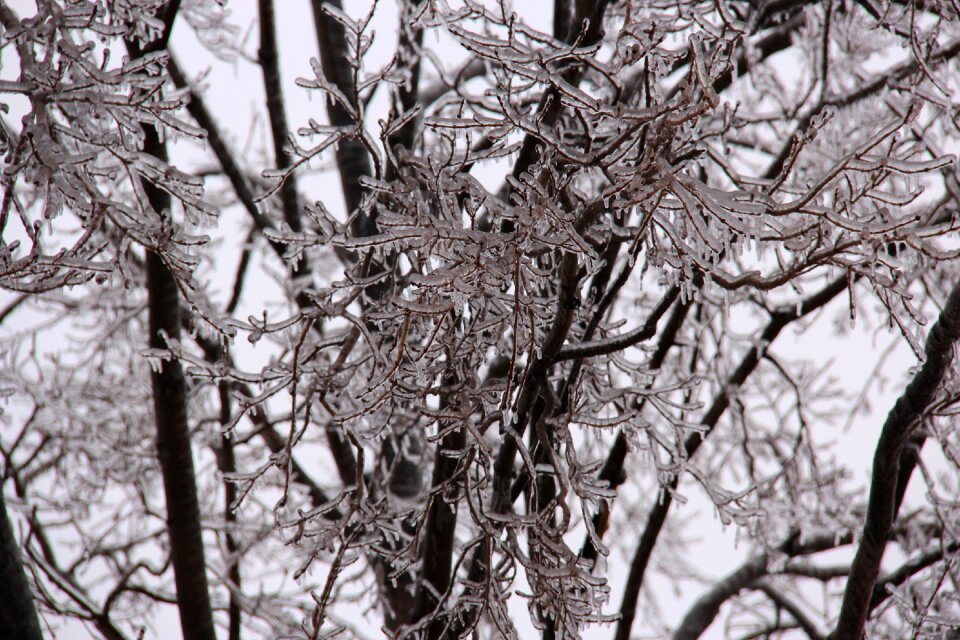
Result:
658,514
502,498
240,277
588,18
647,330
340,448
436,551
49,565
816,572
909,569
270,64
706,608
868,89
10,308
353,162
271,437
612,471
227,463
788,605
408,50
704,611
225,156
474,68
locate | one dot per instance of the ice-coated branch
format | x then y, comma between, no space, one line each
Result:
408,91
658,513
585,28
263,427
170,407
613,344
791,607
446,409
612,471
227,463
170,403
882,505
218,144
279,132
353,161
705,610
226,157
749,576
868,88
908,569
173,435
436,551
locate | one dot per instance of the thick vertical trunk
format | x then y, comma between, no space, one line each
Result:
228,464
888,481
18,617
170,403
173,436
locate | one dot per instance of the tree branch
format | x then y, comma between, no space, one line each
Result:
275,442
802,619
704,611
226,461
436,550
706,608
594,348
270,64
170,405
907,570
408,51
882,507
173,434
341,450
588,17
658,514
197,108
353,162
612,471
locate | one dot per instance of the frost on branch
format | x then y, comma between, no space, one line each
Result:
72,205
524,307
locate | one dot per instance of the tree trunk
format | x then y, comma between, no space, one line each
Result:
18,617
173,436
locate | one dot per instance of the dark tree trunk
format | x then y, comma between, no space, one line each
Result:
18,617
173,436
170,402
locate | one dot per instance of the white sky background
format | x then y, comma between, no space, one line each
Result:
233,92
